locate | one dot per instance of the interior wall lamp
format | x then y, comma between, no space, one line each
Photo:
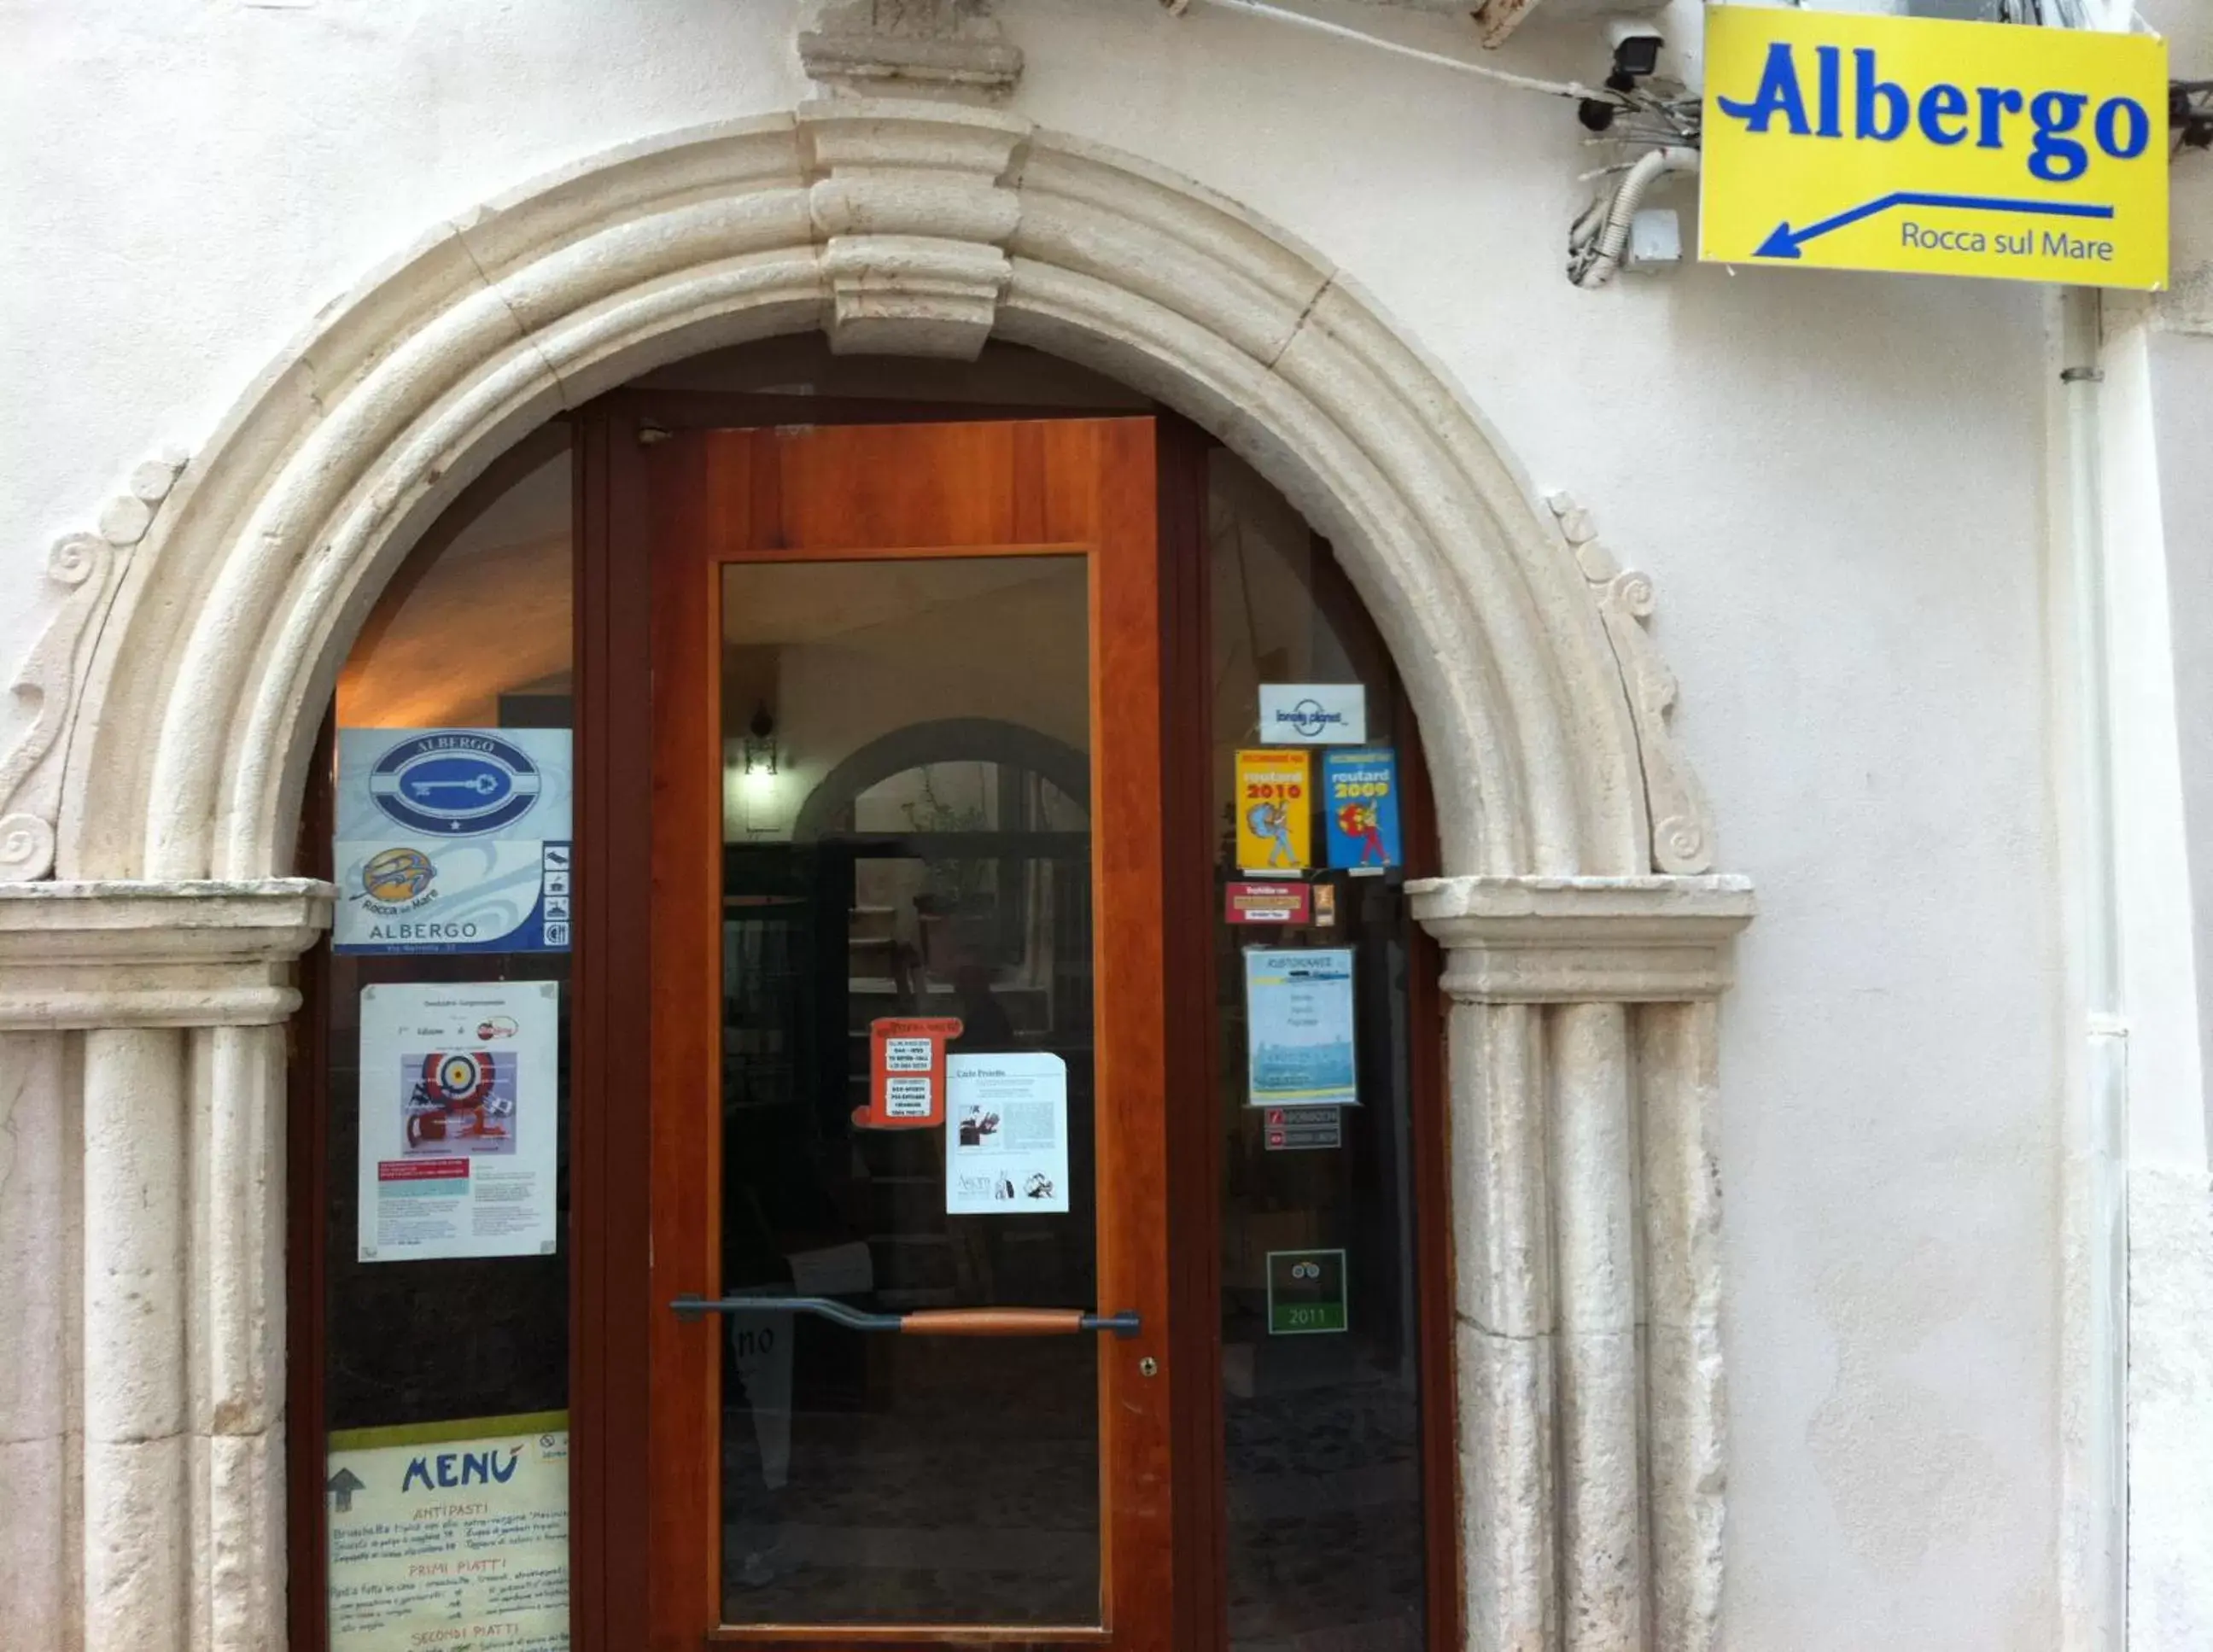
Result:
760,754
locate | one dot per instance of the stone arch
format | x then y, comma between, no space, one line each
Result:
899,227
179,689
944,740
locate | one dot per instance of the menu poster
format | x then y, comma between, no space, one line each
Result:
452,1535
1006,1134
459,1120
1298,1022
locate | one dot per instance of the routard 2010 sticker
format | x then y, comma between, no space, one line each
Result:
453,840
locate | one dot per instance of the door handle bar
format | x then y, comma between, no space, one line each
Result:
924,1322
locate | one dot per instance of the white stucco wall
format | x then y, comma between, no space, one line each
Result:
2166,352
1835,480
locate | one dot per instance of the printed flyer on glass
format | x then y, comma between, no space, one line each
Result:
459,1120
1006,1134
1298,1021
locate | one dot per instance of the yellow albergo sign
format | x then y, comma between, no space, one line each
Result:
1873,142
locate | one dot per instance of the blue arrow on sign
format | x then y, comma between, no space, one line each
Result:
1784,242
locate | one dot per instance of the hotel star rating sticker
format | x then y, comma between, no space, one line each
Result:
1899,144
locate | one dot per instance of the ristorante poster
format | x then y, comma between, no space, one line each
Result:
1299,1021
459,1120
453,840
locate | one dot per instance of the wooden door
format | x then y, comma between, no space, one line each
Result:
905,759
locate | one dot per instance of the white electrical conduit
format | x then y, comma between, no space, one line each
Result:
1567,88
1605,258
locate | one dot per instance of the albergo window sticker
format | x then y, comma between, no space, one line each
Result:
453,840
453,781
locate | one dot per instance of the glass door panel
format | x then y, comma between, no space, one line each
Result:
895,850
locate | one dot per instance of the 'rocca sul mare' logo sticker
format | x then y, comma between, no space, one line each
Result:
452,784
393,877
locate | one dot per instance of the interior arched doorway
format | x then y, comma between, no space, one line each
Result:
1586,943
965,740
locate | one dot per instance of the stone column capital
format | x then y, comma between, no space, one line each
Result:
184,952
1559,940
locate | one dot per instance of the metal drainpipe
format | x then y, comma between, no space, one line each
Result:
2098,1137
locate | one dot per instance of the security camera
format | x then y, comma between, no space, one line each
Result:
1635,52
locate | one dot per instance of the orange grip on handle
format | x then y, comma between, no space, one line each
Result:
992,1322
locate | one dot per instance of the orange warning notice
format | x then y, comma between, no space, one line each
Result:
906,1072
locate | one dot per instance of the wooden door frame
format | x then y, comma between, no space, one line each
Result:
764,495
610,1297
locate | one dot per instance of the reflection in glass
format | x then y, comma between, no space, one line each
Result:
475,631
1322,1432
921,846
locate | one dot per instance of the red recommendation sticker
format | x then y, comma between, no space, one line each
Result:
1265,903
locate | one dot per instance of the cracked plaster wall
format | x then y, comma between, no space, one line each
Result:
1834,479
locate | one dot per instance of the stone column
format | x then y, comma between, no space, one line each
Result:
1594,1257
135,1539
1586,1225
1677,1062
148,1016
1503,1301
38,1245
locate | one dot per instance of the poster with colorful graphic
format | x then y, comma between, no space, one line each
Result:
1298,1028
460,1112
453,840
1006,1134
1275,810
1360,809
450,1534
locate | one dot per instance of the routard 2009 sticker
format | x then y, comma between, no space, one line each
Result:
453,840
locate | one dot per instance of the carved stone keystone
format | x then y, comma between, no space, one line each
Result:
949,48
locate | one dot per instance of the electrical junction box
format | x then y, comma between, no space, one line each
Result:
1655,240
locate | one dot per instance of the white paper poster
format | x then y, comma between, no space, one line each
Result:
450,1535
1298,1028
1006,1134
453,840
459,1120
1313,714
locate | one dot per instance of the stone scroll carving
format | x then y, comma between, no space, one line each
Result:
1682,830
88,567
